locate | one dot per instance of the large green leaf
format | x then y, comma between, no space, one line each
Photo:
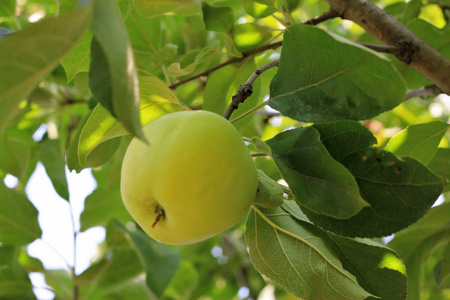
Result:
113,78
160,264
14,280
318,182
258,10
440,164
417,243
18,218
156,100
418,141
378,269
7,8
399,190
296,255
323,77
249,36
32,53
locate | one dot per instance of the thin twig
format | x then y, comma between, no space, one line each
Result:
423,92
331,14
226,63
246,89
324,17
394,50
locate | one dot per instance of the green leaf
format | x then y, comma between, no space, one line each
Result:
440,164
156,100
15,152
7,8
14,280
205,55
52,157
377,268
332,78
400,192
79,59
160,263
317,181
113,78
217,18
418,141
416,243
258,10
32,53
184,283
249,36
342,138
269,193
18,218
295,255
153,8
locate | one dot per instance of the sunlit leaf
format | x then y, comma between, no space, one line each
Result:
32,53
346,87
18,218
250,35
258,10
418,141
295,255
318,181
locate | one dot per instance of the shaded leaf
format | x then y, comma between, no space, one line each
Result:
113,78
14,280
159,263
342,138
52,157
217,18
332,78
79,59
400,192
32,53
419,141
18,218
295,255
317,181
417,243
440,164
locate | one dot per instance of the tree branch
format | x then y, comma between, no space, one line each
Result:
245,90
319,19
423,92
414,51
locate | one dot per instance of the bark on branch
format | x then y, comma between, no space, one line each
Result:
415,52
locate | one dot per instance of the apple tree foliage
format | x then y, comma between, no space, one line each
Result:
358,134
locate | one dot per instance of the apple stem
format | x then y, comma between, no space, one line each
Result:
160,214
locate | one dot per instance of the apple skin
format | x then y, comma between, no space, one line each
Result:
195,179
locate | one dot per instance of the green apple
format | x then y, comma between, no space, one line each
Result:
194,179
